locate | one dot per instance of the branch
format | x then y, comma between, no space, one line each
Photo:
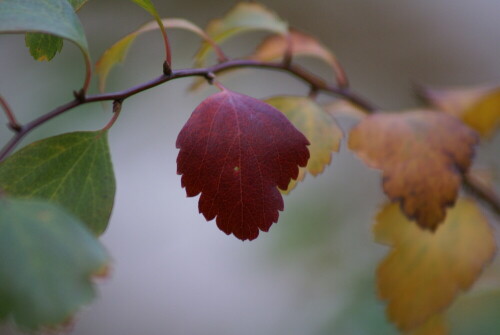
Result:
313,81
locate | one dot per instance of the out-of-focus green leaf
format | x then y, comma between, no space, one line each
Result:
73,170
476,314
118,51
244,17
45,47
47,263
319,127
54,17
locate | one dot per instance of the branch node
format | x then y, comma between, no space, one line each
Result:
80,95
210,77
313,92
15,127
167,69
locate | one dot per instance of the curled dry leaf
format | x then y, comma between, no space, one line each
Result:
422,155
478,107
275,46
424,271
236,151
319,128
244,17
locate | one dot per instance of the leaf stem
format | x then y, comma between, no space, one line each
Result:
13,124
166,42
117,108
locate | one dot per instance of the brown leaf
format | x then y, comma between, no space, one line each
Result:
424,271
422,155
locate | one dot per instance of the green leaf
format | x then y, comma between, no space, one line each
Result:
73,170
244,17
118,51
55,17
43,47
48,259
148,6
319,127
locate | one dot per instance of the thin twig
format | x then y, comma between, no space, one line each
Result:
13,124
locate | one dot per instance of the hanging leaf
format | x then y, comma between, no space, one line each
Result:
244,17
275,46
319,128
73,170
236,150
422,155
478,107
54,17
118,51
425,271
44,47
48,260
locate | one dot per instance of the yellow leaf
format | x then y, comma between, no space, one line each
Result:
275,46
319,128
424,271
478,107
422,155
118,51
244,17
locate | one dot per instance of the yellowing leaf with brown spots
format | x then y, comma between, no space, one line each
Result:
424,271
319,128
275,46
422,155
478,107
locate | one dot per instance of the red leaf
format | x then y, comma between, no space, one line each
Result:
236,150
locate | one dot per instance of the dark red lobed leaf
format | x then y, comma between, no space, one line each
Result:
236,150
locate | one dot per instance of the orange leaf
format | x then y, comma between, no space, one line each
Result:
478,107
424,271
275,46
422,155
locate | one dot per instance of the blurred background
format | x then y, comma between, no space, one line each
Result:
313,273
